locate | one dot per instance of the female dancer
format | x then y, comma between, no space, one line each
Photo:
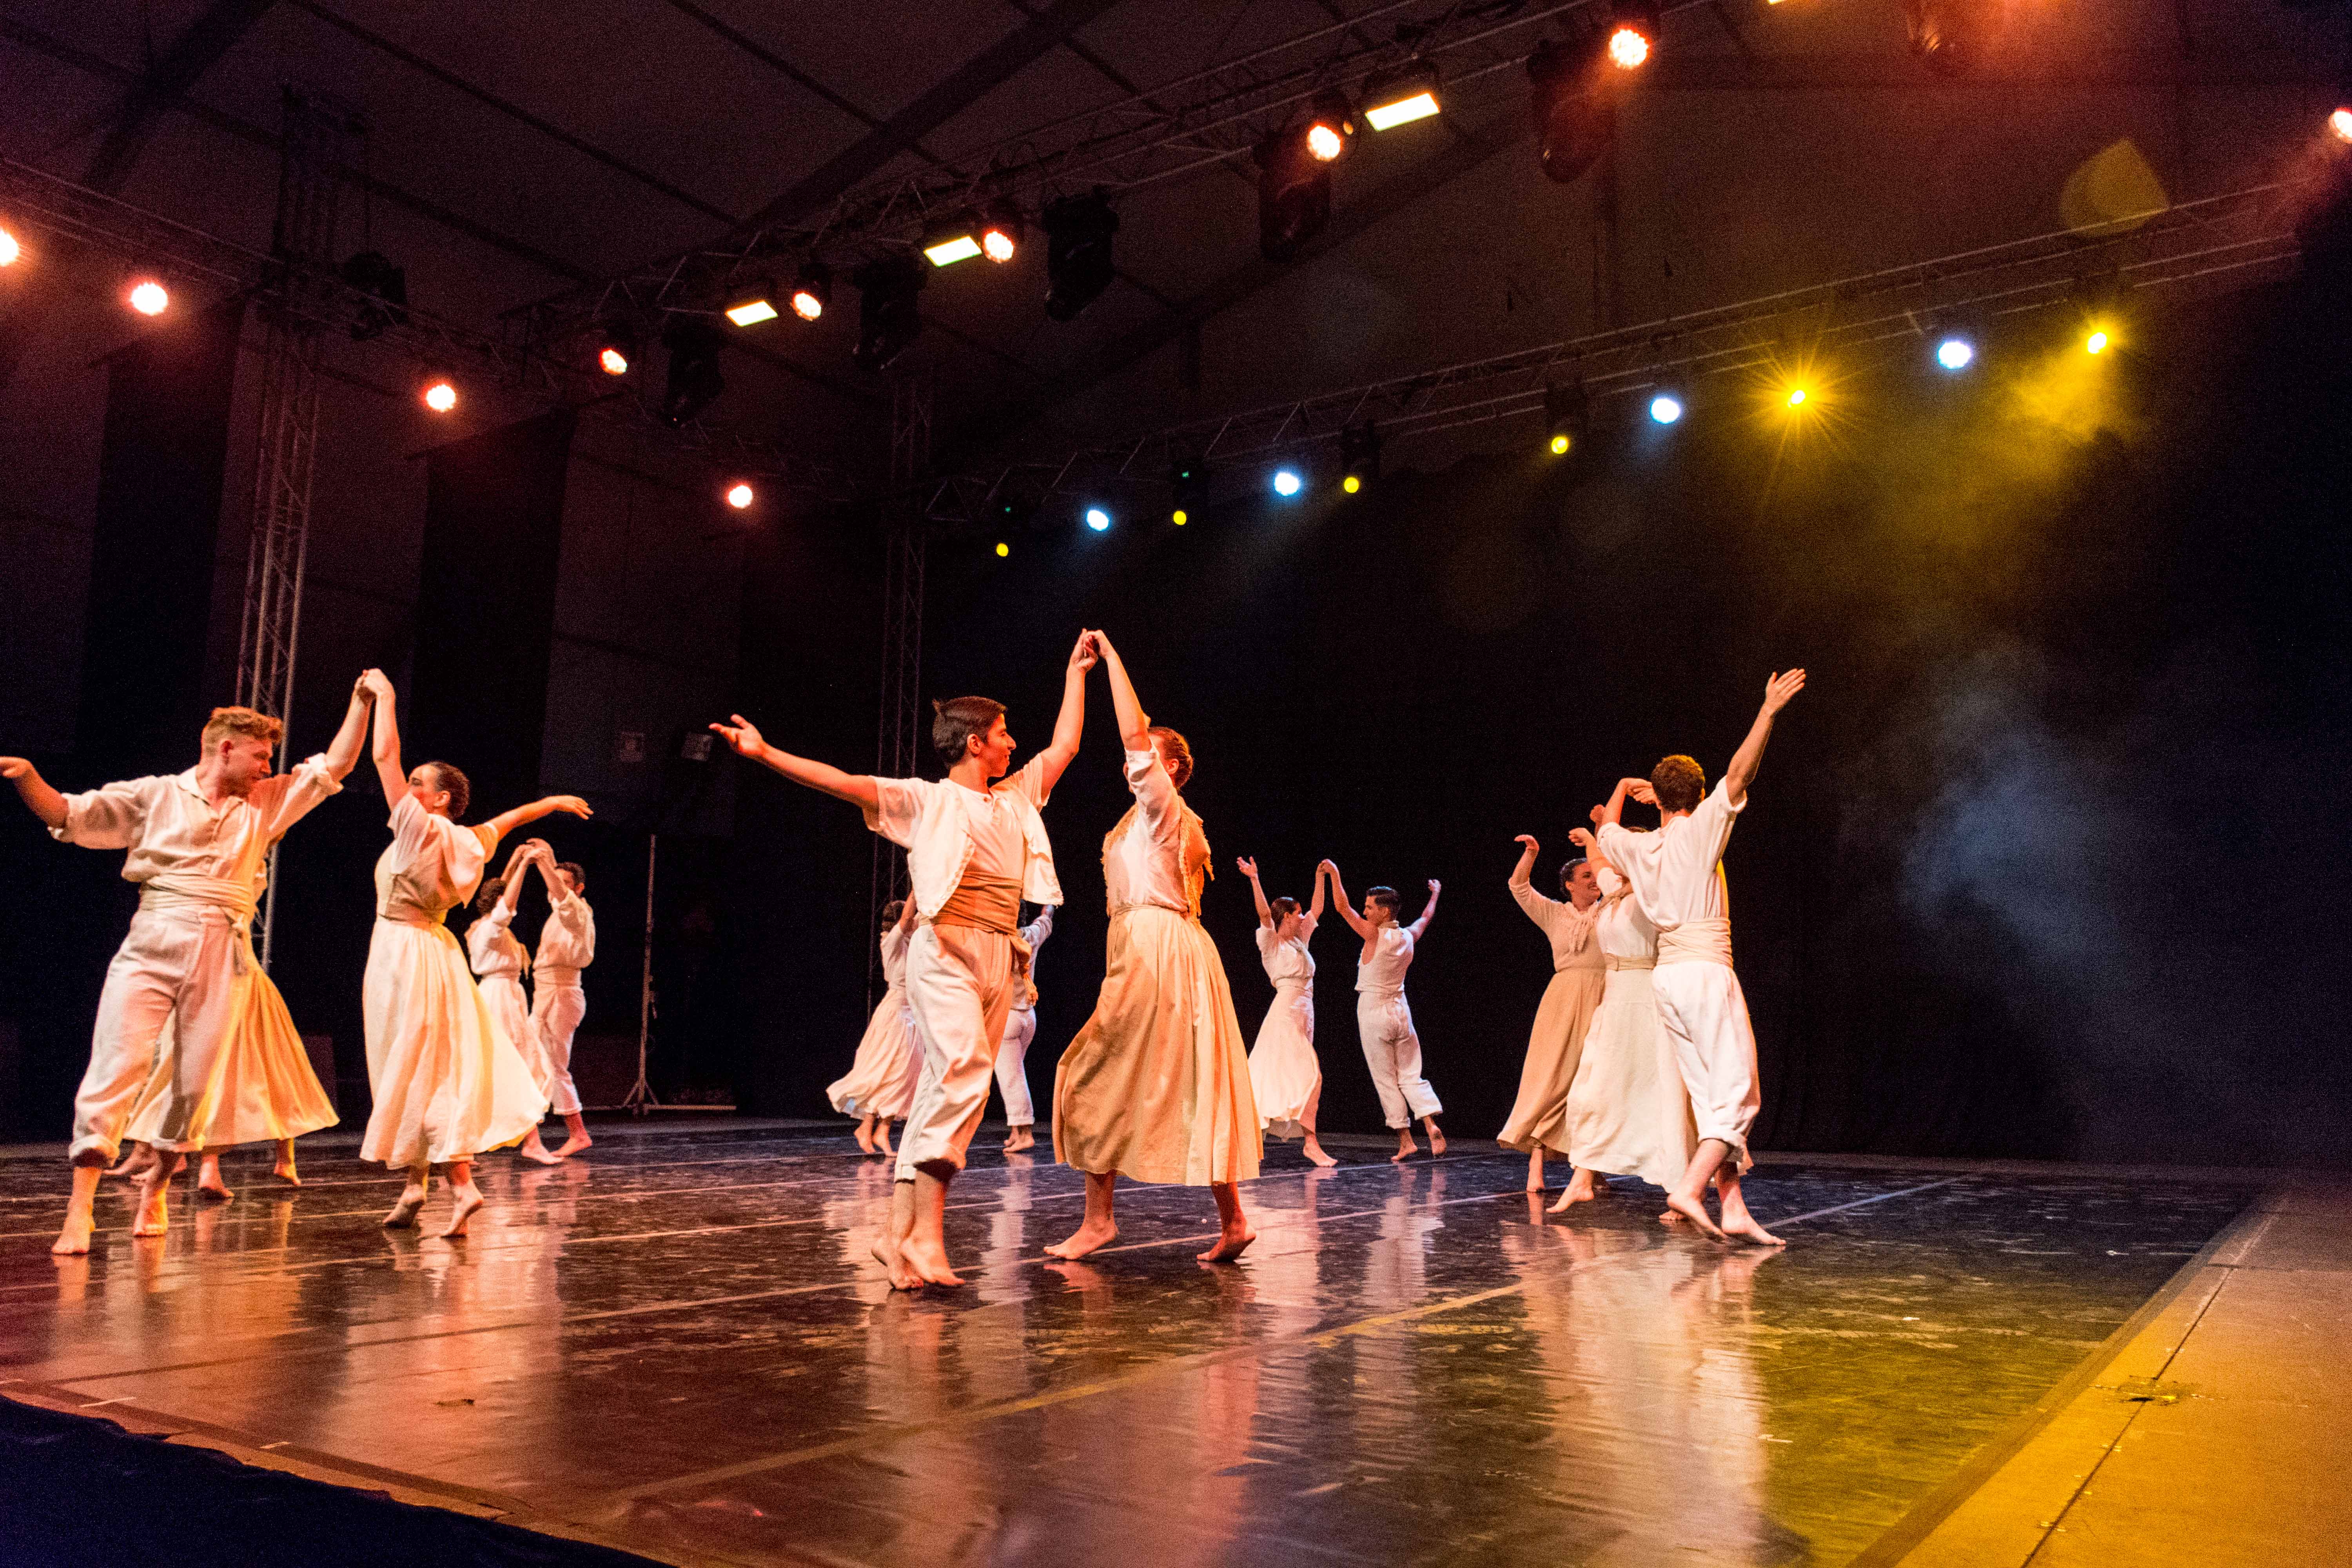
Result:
1627,1112
880,1083
1538,1118
500,961
448,1084
1157,1084
1285,1078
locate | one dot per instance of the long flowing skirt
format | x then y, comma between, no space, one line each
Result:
880,1082
448,1081
1157,1085
510,1005
1628,1112
262,1087
1539,1116
1284,1074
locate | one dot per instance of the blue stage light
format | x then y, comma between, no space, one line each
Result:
1665,408
1286,483
1098,518
1955,353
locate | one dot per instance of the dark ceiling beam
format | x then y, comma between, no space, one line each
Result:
1465,153
192,54
783,67
512,110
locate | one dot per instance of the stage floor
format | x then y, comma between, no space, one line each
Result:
678,1346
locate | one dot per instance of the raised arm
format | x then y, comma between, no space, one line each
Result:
1427,912
1070,724
1134,724
1582,838
526,853
1356,922
1248,868
386,749
505,822
1315,909
1523,874
343,752
858,789
33,790
1745,760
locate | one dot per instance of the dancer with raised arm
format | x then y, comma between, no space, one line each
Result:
879,1086
500,962
1383,1017
567,944
198,847
1285,1076
1012,1056
1628,1113
448,1083
1157,1086
975,848
1678,874
1538,1119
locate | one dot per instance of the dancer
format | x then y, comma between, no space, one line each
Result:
1286,1077
880,1083
448,1083
1678,874
1012,1056
1157,1086
567,944
500,962
198,847
1627,1112
1538,1119
975,848
1383,1017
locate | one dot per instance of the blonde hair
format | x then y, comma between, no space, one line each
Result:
245,722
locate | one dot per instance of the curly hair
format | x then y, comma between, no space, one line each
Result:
490,889
1680,781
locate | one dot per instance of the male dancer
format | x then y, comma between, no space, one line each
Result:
1020,1028
567,944
199,848
1676,873
1383,1019
975,848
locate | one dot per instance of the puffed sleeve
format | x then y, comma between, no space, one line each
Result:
110,816
898,807
296,793
1030,782
1266,941
1154,791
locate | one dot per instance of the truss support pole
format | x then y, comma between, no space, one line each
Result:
898,730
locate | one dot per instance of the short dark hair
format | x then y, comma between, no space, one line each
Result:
891,911
490,889
1281,907
454,779
1384,896
1680,783
1568,869
955,722
572,869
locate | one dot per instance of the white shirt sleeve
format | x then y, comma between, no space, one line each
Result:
297,793
1714,818
1035,933
1154,791
1030,782
110,816
898,807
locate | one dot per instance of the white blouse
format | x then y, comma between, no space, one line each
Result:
1158,854
1287,964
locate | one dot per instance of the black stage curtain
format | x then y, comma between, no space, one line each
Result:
485,606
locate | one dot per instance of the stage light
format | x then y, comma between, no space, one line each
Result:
1796,398
888,316
1002,550
740,496
441,397
1401,97
1180,517
1001,232
2096,343
1359,455
149,298
1351,484
617,344
1079,231
1665,408
1575,108
751,303
1294,196
2339,125
949,240
693,380
1627,49
374,274
1286,483
9,249
1634,36
1955,353
1098,518
813,291
1568,416
1331,120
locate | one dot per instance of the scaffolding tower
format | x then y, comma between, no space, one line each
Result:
899,729
316,139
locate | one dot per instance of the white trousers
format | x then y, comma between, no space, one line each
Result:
959,986
1012,1072
1392,1050
555,1014
176,966
1705,1016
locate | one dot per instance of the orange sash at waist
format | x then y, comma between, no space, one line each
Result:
983,905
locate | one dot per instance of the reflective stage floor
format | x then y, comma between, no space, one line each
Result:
677,1346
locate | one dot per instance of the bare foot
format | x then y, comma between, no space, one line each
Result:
886,1253
533,1149
404,1212
573,1145
284,1171
1231,1244
135,1162
1019,1138
74,1238
864,1136
882,1145
1694,1211
468,1200
1745,1227
209,1183
1088,1238
1406,1147
1580,1191
1314,1151
1437,1140
155,1210
927,1261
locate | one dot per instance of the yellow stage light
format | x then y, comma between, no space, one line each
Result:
997,244
440,397
1560,444
1403,111
1796,397
1351,484
149,298
752,313
1179,518
1003,549
2096,343
955,248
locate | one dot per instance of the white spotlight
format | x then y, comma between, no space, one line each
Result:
1665,408
1286,483
1098,518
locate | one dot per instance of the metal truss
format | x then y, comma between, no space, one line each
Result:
2240,237
898,726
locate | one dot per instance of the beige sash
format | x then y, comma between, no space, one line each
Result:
1617,963
1696,941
